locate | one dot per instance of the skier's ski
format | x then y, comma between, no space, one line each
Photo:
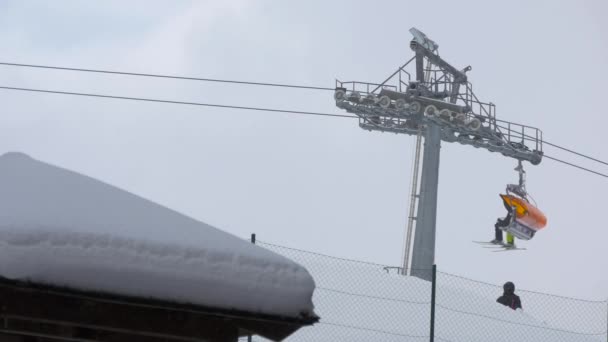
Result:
493,246
499,247
487,243
506,249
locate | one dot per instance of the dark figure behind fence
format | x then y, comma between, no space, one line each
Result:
509,298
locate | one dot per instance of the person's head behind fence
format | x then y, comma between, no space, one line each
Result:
509,287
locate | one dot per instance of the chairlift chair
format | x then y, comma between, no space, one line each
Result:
526,218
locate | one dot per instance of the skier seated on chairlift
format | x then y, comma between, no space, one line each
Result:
523,219
503,223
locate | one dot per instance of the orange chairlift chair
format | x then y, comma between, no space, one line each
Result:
526,218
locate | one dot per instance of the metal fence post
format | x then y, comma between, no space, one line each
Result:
249,337
433,292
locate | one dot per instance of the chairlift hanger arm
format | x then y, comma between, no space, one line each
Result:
459,76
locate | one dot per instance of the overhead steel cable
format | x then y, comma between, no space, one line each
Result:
176,102
283,85
126,73
229,107
576,153
531,138
576,166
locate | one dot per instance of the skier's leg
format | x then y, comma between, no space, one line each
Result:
497,233
510,239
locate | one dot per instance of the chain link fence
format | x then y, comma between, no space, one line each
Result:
363,301
544,317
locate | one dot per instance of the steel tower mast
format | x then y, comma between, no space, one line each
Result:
438,101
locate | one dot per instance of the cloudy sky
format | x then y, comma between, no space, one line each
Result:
318,183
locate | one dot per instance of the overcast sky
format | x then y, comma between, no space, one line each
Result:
316,183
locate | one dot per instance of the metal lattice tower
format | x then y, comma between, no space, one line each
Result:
438,103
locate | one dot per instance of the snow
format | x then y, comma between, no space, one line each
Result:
62,228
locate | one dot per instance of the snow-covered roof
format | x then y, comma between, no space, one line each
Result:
62,228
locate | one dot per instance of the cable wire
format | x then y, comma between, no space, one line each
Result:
544,142
176,102
517,323
113,72
446,274
574,152
397,300
372,330
232,107
321,254
164,76
576,166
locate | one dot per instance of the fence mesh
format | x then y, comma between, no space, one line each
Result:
544,317
363,301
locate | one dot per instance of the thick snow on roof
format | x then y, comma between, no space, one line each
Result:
62,228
